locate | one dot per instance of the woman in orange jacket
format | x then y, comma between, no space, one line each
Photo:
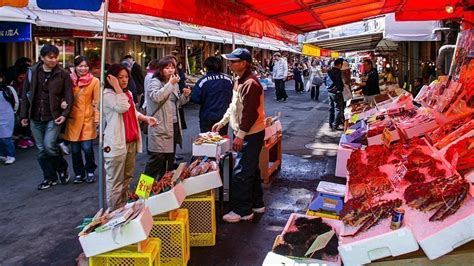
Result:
83,120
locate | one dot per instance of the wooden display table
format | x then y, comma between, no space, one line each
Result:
270,158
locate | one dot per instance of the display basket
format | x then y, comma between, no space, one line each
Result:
173,231
202,219
149,256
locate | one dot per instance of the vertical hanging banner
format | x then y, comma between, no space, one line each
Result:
15,32
90,5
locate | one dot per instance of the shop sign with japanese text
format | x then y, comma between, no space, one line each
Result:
15,32
98,35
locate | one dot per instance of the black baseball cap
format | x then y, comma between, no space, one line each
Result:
239,54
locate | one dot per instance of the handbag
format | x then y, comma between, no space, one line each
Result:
347,93
317,81
144,125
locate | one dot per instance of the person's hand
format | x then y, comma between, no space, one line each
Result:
60,120
238,144
187,91
64,105
174,79
113,81
24,122
216,127
150,120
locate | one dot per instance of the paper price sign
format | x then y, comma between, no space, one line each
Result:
320,242
386,137
355,118
144,186
399,174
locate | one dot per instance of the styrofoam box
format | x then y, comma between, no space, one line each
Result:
439,238
270,131
376,243
166,201
273,259
420,129
343,155
211,150
133,232
336,226
377,139
469,175
201,183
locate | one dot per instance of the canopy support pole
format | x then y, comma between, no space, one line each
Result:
101,106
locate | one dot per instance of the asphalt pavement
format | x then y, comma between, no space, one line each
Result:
38,227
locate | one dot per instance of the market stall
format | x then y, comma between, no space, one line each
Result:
409,166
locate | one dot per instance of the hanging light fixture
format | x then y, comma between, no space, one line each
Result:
449,9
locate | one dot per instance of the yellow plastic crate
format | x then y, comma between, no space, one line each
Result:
202,219
149,257
173,231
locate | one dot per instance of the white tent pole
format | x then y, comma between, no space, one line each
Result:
101,107
233,41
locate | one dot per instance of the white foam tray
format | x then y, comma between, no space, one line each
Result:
201,183
166,201
211,150
439,238
133,232
376,243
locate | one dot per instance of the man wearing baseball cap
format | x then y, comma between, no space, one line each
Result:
246,116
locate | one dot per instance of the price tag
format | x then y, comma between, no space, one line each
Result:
399,174
320,242
144,186
386,137
355,118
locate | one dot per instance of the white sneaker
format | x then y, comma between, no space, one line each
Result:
233,217
259,210
10,160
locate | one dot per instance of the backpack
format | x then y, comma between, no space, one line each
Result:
11,96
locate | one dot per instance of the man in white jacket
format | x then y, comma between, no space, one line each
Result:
280,72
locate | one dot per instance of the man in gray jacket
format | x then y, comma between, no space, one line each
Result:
280,72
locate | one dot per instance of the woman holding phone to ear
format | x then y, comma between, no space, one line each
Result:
163,100
122,136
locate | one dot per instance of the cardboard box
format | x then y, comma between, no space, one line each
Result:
418,130
212,150
377,139
166,201
201,183
133,232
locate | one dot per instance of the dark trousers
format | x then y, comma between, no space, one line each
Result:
247,192
77,163
315,92
299,85
280,89
159,163
49,155
336,109
206,126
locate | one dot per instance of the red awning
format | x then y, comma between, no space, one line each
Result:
283,19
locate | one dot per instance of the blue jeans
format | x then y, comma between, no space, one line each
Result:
49,155
7,148
77,162
336,109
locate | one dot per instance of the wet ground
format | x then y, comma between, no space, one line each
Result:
37,227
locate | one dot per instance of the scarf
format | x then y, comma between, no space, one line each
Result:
81,81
